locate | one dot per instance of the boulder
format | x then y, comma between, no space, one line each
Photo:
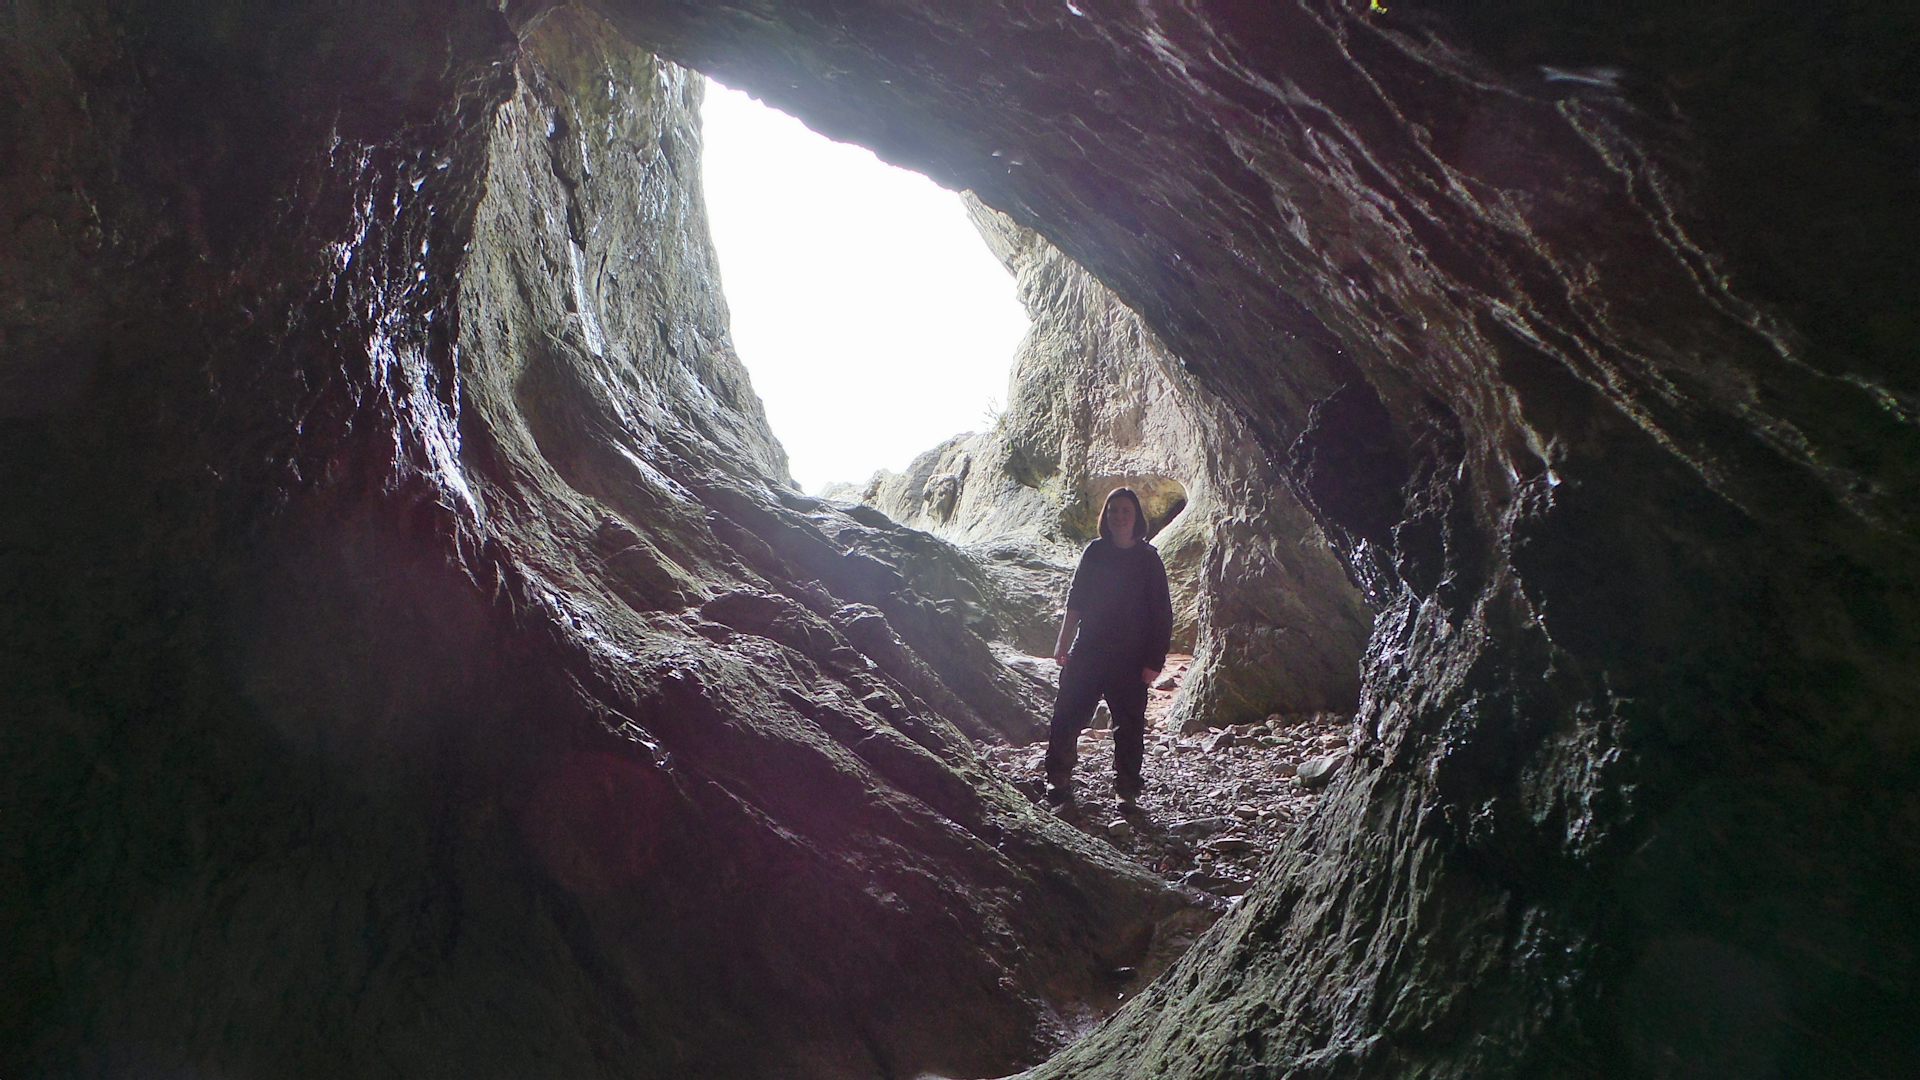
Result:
1318,772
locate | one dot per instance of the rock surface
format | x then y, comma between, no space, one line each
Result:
417,661
1586,337
1319,772
1096,400
368,708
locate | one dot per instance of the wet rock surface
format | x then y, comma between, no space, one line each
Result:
439,674
377,491
1613,431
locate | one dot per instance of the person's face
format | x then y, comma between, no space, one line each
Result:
1121,518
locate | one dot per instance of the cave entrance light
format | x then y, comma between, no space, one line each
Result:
871,315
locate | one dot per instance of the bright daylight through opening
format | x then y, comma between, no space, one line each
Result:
873,318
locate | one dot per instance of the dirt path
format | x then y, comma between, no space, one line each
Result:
1215,803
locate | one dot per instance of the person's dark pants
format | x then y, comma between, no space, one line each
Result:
1083,682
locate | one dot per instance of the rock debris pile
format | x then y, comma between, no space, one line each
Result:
1216,804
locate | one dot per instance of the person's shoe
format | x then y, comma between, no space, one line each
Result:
1059,789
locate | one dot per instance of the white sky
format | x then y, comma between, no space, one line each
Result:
873,319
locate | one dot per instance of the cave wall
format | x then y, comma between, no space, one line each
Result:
416,661
1585,336
1096,400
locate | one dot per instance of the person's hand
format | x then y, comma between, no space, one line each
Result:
1060,657
1148,674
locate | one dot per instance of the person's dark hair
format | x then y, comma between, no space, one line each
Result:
1140,527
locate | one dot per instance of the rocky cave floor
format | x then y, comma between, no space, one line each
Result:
1216,803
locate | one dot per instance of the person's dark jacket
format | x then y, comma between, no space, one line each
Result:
1125,610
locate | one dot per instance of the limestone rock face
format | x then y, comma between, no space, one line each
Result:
1096,400
416,659
379,702
1586,336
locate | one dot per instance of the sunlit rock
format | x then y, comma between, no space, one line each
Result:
1097,401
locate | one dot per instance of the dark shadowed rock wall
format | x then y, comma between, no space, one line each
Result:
1096,400
415,659
338,643
1587,337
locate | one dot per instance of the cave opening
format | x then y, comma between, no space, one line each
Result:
1250,721
418,663
873,318
1468,696
1094,400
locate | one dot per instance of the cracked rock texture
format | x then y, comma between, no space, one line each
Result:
1586,336
417,661
1096,400
386,694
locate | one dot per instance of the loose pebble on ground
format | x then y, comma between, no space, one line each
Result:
1216,803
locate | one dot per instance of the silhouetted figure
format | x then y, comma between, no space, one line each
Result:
1120,608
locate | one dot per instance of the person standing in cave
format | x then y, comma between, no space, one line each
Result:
1113,642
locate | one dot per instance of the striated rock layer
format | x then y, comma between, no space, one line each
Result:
417,661
1586,335
1096,400
347,735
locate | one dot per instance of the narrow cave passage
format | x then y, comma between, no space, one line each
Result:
419,664
1094,402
